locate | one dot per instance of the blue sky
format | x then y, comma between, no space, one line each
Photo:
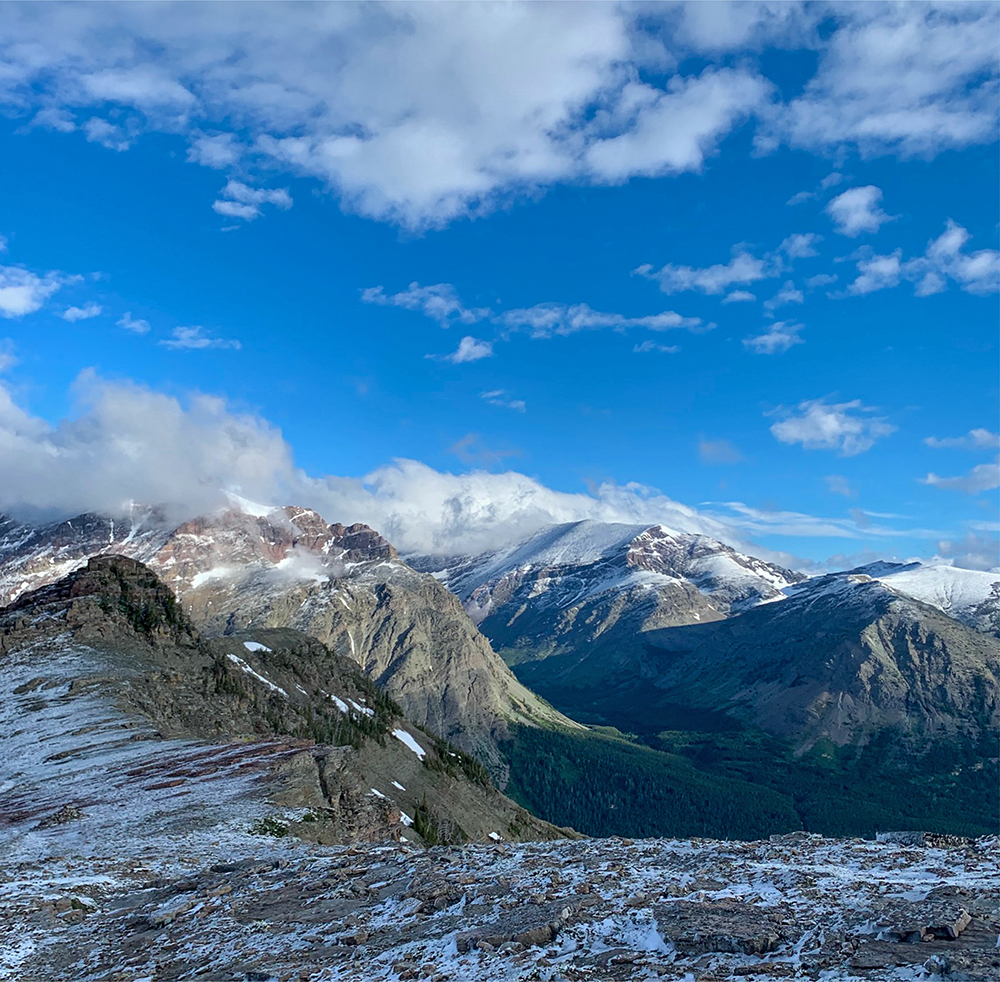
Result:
726,266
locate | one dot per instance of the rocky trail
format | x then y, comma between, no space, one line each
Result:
230,906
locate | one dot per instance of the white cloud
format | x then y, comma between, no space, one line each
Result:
944,260
788,293
124,443
73,314
108,135
742,268
242,201
24,292
194,339
134,324
469,349
800,245
499,397
778,338
820,279
218,151
547,319
903,78
439,302
857,210
738,296
977,439
817,425
671,131
973,551
877,273
718,452
418,115
982,477
647,346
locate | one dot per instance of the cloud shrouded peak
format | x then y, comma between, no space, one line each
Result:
126,443
423,113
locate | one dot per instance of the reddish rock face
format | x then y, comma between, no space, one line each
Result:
33,556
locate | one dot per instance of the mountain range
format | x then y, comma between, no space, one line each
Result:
675,638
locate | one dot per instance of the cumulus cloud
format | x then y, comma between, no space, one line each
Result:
137,325
239,200
73,314
778,338
904,78
738,296
944,260
415,114
469,349
982,477
195,339
800,245
499,397
547,319
973,551
857,210
743,268
24,292
440,302
846,427
977,439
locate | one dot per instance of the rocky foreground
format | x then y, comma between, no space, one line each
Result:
225,905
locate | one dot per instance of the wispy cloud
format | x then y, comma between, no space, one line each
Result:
982,477
789,293
718,452
743,268
838,484
646,347
499,397
800,245
547,319
738,296
194,339
73,314
238,200
440,302
137,325
779,337
977,439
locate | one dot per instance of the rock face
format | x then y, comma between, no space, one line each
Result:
118,720
346,587
572,587
844,658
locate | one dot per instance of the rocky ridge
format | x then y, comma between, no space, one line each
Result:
120,723
252,567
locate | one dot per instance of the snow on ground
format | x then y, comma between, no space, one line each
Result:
244,667
958,592
408,741
255,646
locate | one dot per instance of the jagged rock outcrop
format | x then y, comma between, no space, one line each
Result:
286,567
